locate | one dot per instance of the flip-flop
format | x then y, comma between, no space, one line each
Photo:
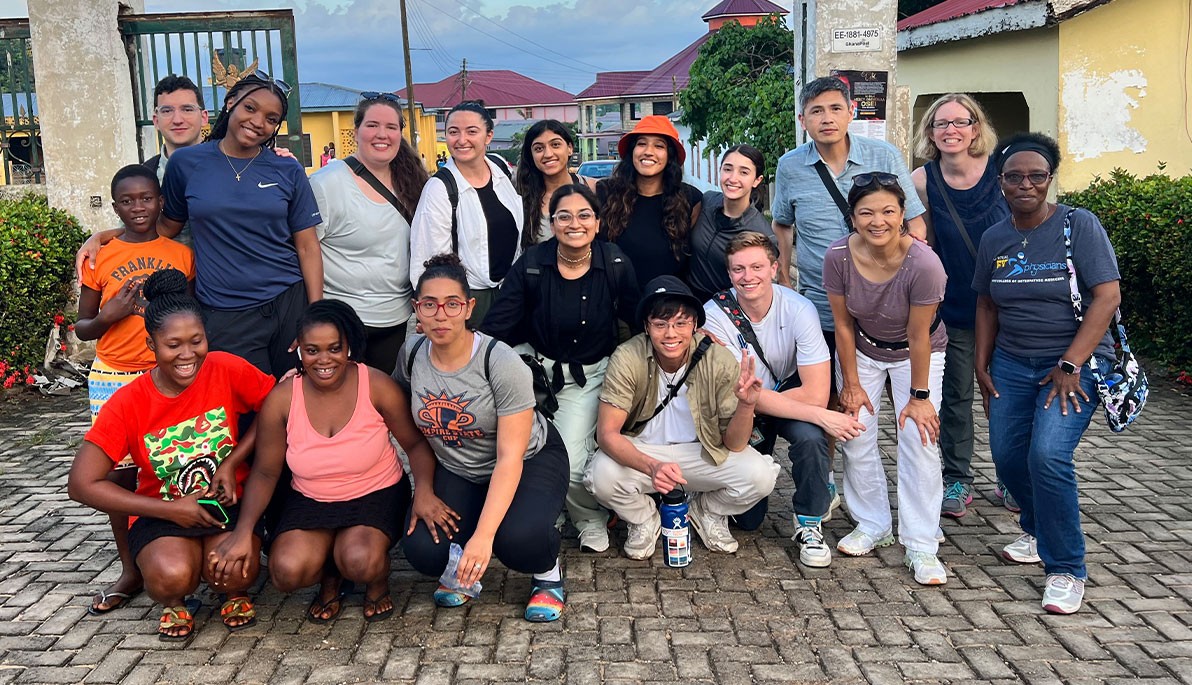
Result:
316,608
175,617
374,603
104,596
238,607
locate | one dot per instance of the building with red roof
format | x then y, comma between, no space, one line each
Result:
635,94
508,95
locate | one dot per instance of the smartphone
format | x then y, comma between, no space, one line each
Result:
214,508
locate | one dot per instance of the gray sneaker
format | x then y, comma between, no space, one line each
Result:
643,538
712,529
957,497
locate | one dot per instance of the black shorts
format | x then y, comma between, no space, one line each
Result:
260,334
383,509
146,529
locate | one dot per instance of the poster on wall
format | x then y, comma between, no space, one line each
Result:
869,89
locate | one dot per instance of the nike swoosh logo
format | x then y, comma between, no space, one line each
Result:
265,185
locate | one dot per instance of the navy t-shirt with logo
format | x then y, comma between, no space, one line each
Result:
242,230
1029,284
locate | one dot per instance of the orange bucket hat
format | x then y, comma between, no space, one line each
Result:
656,125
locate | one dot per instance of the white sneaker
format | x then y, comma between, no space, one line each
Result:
812,550
859,543
928,568
643,538
1063,593
1024,550
593,539
939,535
833,501
712,529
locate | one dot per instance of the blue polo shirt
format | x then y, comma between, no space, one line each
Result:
242,230
802,201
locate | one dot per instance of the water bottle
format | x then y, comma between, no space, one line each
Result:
676,531
449,579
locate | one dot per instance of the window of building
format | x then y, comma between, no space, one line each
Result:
664,107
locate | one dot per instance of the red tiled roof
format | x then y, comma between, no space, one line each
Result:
673,74
952,9
610,84
737,8
497,88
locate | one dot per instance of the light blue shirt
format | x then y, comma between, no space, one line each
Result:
802,201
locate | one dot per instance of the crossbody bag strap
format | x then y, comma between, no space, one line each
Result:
732,309
700,350
370,178
939,184
830,183
1115,326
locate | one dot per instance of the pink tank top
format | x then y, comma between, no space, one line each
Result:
358,460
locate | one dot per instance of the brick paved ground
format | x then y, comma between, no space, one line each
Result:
753,617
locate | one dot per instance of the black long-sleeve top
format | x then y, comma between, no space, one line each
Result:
573,322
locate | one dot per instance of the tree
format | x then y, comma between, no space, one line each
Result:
742,90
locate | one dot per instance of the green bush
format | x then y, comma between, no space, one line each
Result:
1149,221
37,247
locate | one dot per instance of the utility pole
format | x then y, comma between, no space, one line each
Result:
412,119
463,80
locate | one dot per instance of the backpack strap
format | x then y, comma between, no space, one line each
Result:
419,341
488,352
444,174
500,163
732,309
699,353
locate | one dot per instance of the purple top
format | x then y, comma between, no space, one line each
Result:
882,309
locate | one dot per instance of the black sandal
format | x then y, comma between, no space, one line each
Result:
314,612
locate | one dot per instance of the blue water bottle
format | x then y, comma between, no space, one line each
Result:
676,531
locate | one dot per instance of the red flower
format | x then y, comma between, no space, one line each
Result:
59,319
9,381
29,380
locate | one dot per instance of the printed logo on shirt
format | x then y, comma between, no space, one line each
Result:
445,416
1019,269
265,185
184,456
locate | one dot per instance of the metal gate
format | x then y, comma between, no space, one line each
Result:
20,132
198,45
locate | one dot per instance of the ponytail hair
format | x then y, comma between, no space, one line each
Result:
165,292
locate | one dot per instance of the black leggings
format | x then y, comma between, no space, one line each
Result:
384,344
527,540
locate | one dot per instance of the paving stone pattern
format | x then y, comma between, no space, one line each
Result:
754,617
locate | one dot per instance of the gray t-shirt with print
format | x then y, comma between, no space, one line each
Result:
457,411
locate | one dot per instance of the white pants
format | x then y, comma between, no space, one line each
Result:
733,487
920,479
576,423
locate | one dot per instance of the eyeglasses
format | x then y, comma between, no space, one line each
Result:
374,95
680,326
941,124
565,218
879,177
429,308
264,76
1015,179
168,110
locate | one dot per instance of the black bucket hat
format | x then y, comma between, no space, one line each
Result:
664,286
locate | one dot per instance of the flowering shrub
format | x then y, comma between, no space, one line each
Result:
37,247
1149,221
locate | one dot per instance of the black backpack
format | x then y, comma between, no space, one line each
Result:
444,174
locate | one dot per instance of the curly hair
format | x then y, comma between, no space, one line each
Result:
445,265
343,318
620,196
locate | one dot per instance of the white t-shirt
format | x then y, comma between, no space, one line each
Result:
674,425
789,334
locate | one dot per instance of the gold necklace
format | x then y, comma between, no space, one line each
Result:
575,262
1030,231
246,166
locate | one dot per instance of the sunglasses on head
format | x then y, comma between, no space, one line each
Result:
263,76
374,95
879,177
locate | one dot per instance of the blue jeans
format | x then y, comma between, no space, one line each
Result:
1032,449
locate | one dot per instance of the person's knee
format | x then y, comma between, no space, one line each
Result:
807,441
361,562
170,578
288,572
602,478
528,547
424,554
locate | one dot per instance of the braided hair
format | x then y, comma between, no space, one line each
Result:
165,292
345,320
236,94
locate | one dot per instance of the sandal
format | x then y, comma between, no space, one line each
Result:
104,597
446,597
237,607
314,612
175,617
547,601
372,604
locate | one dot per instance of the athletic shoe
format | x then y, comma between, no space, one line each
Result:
446,597
1007,499
643,538
859,543
833,501
939,535
1024,550
713,530
809,535
547,599
594,539
1063,593
928,568
957,497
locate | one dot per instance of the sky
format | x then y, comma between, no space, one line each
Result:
357,43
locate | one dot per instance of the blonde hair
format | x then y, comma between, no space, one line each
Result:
984,141
747,239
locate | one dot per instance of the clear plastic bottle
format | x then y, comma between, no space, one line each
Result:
450,579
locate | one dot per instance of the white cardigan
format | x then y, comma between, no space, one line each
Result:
430,233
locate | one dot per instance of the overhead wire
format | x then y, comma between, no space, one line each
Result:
510,31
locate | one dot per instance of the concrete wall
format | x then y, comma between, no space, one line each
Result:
1123,86
85,101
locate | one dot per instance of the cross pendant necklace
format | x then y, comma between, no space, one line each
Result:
246,166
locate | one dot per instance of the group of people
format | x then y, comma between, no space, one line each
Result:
576,350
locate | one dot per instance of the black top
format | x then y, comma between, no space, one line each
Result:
502,232
572,322
710,237
645,241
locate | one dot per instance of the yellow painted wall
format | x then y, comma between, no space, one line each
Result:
1020,61
327,127
1124,90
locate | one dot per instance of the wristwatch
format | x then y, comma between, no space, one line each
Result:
1068,367
920,393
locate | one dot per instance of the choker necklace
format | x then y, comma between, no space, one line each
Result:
1030,231
575,262
246,166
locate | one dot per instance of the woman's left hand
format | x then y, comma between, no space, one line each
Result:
474,562
922,412
1066,386
223,485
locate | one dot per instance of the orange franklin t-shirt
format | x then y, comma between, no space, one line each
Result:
123,346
